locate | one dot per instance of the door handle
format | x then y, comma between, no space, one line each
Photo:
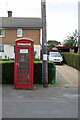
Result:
17,64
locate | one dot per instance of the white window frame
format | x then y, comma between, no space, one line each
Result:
2,35
19,32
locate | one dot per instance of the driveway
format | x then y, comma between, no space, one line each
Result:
67,76
51,102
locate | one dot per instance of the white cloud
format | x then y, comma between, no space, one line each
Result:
61,14
59,25
62,17
62,1
20,7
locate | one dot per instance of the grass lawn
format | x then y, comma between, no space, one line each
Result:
6,61
13,61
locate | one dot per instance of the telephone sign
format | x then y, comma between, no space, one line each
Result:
24,58
24,51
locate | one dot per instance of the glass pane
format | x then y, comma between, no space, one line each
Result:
23,55
19,32
23,64
23,60
0,32
22,68
1,48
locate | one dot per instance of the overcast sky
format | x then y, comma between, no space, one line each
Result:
62,15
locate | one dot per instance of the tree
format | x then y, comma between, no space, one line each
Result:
71,40
52,43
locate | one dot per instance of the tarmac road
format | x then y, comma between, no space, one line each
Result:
51,102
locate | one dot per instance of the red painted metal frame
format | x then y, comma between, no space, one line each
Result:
17,63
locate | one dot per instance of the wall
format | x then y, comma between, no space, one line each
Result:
9,51
11,36
37,49
33,34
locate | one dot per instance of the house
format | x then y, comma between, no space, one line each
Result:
12,28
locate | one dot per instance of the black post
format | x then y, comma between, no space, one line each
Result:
44,45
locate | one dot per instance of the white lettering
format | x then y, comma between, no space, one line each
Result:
23,50
23,43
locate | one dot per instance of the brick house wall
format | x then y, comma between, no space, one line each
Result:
31,28
11,36
9,41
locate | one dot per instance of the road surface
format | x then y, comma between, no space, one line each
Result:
51,102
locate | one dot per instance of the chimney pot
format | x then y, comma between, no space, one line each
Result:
9,13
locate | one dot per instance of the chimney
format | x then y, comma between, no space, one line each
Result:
9,13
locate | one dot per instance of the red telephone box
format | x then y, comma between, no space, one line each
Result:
24,58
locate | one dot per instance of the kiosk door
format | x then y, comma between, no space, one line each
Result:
23,72
23,66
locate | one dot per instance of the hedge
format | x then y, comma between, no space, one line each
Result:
36,59
8,72
72,59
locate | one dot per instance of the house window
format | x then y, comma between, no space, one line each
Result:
19,32
2,32
1,48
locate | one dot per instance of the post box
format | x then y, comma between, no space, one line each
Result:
24,58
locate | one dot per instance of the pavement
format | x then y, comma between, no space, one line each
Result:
60,101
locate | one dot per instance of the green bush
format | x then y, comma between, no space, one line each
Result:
5,57
36,59
0,57
8,72
72,59
78,63
38,72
